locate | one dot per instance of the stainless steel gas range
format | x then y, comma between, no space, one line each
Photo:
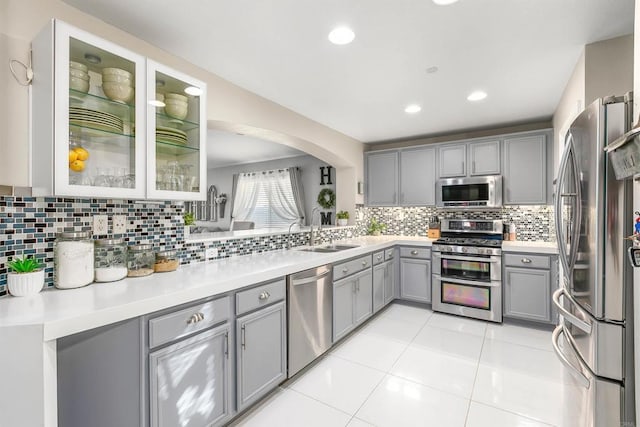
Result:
467,269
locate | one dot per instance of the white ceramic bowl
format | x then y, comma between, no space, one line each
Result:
78,84
175,110
175,102
79,74
116,71
116,78
118,92
78,66
176,96
25,284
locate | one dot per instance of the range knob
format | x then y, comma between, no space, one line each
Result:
448,249
481,251
465,250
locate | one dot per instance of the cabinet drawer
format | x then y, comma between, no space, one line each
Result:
351,267
174,325
260,296
421,253
389,254
378,257
527,260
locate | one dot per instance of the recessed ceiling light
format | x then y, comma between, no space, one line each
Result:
192,90
432,70
341,35
93,59
412,109
478,95
444,2
157,103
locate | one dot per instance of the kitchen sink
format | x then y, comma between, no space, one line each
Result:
328,248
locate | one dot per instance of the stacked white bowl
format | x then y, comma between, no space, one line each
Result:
117,84
78,77
176,105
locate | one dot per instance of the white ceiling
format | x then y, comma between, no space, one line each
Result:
521,52
226,149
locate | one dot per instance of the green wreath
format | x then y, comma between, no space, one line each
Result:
327,198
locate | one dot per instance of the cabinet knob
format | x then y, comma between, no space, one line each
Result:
364,263
345,270
526,261
195,318
379,257
264,295
414,252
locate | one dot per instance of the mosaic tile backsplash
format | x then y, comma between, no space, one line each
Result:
28,226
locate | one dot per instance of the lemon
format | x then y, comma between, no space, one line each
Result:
82,153
76,166
73,156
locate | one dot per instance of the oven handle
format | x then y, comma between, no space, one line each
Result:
490,259
582,378
566,314
494,284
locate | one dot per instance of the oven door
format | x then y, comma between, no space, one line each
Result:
476,268
480,300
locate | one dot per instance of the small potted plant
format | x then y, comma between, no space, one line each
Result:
26,277
376,228
189,220
343,217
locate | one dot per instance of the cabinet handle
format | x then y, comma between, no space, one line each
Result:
526,261
414,253
462,166
345,270
264,295
364,263
379,257
226,344
473,166
242,337
195,318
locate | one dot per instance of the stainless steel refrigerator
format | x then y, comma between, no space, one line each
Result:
594,213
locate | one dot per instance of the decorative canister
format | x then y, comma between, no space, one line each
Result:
140,260
110,260
73,260
166,261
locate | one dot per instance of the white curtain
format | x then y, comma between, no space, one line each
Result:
246,196
281,200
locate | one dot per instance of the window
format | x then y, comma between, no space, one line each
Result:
267,198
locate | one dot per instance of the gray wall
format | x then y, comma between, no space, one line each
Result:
309,165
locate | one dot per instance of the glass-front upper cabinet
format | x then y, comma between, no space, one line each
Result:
89,99
176,135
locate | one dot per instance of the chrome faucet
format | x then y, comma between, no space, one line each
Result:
289,234
312,237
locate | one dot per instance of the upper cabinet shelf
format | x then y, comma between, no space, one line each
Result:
95,119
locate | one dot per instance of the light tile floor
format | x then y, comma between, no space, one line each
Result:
412,367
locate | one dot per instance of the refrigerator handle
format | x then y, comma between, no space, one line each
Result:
562,244
577,373
575,235
566,314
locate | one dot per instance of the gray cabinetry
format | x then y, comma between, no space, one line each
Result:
379,277
415,274
383,279
484,158
381,169
389,281
197,368
525,170
528,282
363,307
261,353
453,160
352,301
418,177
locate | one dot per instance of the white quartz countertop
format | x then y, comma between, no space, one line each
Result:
65,312
537,247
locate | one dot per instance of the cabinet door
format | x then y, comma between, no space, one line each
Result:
382,178
389,282
527,294
261,349
379,277
418,177
189,381
343,302
363,304
176,135
453,160
84,143
415,279
525,170
485,158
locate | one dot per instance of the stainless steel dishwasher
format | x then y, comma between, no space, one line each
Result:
309,303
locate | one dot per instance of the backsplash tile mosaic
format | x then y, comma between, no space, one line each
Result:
533,223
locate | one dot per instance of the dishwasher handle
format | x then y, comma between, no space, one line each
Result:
312,279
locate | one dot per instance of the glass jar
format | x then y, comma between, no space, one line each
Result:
72,260
166,261
110,260
140,260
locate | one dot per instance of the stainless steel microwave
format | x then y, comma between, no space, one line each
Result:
469,193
